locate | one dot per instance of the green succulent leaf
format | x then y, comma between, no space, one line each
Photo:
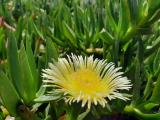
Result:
111,20
38,31
70,34
156,62
8,93
51,50
153,5
83,115
150,106
106,37
48,98
13,63
156,95
124,18
31,62
28,81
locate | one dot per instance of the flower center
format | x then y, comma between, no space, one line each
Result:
85,81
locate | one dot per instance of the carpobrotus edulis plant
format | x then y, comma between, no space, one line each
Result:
86,79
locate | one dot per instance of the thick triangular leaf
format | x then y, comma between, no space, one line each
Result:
48,98
8,93
28,82
69,34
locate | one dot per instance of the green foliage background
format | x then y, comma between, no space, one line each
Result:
126,32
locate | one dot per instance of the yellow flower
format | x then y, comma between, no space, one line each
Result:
86,80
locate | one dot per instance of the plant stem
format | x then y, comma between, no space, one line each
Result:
139,114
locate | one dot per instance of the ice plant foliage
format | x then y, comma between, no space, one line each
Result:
86,80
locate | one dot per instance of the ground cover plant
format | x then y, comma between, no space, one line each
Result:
79,59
